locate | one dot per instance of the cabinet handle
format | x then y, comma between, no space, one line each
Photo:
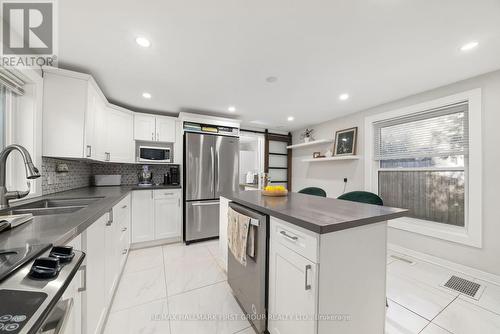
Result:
124,207
157,136
168,194
291,237
152,136
179,202
125,251
307,285
89,151
124,229
83,288
110,220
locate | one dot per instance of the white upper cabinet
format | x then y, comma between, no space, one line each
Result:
78,122
165,129
154,128
65,105
96,144
144,127
120,142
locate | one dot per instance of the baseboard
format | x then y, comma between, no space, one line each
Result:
154,243
482,275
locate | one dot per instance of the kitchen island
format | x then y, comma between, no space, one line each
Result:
327,262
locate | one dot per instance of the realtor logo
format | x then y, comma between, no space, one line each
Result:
28,32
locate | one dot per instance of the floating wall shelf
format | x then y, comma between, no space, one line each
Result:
347,157
312,143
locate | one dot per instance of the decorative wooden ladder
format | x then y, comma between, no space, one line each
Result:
278,159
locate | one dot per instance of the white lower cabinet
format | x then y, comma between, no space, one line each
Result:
167,214
94,245
327,283
156,214
73,294
143,225
106,245
293,287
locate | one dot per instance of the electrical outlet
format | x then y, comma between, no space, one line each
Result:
51,178
345,179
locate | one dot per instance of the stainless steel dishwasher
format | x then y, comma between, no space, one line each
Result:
249,283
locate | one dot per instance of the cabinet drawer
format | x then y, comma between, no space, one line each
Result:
302,242
166,193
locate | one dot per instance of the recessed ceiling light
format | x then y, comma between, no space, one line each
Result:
469,46
290,118
271,79
143,41
146,95
343,97
231,108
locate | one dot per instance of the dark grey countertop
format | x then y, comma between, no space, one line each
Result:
61,228
317,214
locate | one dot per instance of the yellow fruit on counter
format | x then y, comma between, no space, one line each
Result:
275,188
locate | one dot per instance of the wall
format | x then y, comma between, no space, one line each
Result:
81,172
78,176
329,175
129,172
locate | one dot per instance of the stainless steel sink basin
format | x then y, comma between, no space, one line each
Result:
57,203
42,211
53,206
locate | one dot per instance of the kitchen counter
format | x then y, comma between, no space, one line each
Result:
317,214
60,228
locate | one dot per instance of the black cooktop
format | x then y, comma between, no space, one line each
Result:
12,259
17,307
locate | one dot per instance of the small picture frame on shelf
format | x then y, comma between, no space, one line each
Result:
345,142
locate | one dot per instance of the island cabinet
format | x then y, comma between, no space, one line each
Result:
326,283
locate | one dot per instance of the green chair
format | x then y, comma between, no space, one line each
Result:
313,191
362,197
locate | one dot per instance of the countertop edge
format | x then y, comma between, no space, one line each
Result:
314,227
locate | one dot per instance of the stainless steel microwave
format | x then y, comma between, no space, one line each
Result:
154,154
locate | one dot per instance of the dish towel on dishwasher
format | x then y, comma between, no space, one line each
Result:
237,235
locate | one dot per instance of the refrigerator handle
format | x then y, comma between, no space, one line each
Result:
214,173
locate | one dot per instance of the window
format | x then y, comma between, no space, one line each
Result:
422,163
21,123
427,158
3,107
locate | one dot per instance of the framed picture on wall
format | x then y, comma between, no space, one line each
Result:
346,141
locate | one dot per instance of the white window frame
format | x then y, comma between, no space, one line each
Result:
25,128
471,233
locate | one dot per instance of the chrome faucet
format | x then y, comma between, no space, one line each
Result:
31,173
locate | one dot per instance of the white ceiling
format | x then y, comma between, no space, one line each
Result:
208,55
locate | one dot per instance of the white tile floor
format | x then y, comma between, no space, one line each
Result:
161,283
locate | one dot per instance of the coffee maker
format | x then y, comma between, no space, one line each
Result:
173,176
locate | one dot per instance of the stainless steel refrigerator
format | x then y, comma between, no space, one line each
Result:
211,165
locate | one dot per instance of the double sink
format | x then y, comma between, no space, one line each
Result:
51,206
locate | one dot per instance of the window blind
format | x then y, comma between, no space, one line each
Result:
11,81
438,132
